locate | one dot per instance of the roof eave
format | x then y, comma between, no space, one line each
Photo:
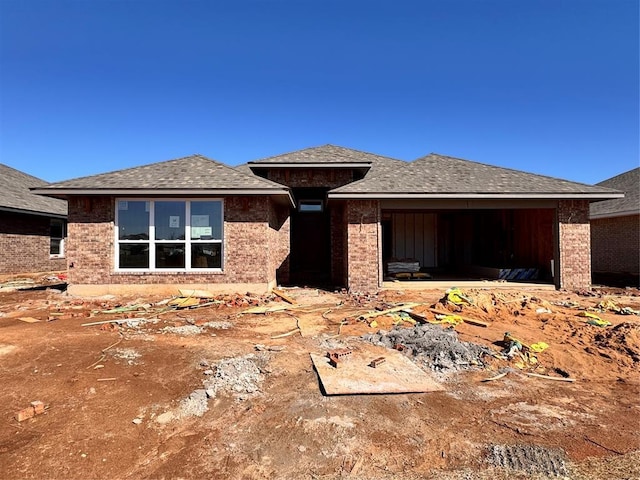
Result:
624,213
504,196
155,192
366,165
33,212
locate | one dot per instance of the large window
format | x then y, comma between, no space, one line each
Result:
168,234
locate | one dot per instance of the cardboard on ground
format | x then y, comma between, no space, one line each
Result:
397,374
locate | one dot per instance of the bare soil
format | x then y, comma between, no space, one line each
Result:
175,396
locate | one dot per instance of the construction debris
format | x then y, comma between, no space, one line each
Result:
240,376
531,459
437,348
336,357
36,408
284,296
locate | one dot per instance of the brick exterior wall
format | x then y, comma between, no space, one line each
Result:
255,241
338,241
574,245
363,245
615,245
311,178
25,244
279,248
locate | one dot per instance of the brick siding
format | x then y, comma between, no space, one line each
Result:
252,245
25,243
615,245
311,177
574,244
363,242
338,228
279,247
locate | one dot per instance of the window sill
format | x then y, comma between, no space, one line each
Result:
170,272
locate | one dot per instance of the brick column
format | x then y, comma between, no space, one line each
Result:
363,245
574,245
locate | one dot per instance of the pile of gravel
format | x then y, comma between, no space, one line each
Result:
436,347
184,330
532,459
240,376
218,325
195,405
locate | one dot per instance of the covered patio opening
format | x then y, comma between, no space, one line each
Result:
508,244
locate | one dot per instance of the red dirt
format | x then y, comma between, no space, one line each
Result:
289,429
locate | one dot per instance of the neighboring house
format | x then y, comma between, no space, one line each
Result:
615,232
32,227
323,215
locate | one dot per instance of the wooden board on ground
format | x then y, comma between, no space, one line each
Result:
196,293
28,319
397,374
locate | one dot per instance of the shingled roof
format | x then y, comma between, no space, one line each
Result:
629,183
440,176
322,155
328,156
16,195
195,174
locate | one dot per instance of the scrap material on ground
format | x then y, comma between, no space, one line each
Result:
205,385
356,375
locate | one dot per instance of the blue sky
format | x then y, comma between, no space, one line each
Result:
545,86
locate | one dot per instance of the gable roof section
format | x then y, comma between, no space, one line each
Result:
629,183
440,176
17,197
325,156
193,175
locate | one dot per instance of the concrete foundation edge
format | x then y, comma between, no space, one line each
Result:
168,288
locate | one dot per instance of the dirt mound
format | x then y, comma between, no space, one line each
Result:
623,341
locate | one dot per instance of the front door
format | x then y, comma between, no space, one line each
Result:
310,238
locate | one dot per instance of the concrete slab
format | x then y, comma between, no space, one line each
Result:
463,284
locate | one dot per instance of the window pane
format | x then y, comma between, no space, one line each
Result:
133,220
206,255
134,255
54,246
310,206
206,220
169,220
170,255
56,229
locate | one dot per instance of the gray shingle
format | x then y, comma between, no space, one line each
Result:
325,154
195,172
15,186
629,183
440,174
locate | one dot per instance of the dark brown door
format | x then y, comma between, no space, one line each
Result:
310,239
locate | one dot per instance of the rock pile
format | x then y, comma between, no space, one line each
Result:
435,347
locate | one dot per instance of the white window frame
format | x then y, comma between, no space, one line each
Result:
187,242
64,235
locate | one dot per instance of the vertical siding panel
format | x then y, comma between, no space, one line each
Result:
419,237
409,229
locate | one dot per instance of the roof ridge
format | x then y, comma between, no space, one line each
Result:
25,174
331,145
623,174
136,167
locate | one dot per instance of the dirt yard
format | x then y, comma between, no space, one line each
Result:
196,388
